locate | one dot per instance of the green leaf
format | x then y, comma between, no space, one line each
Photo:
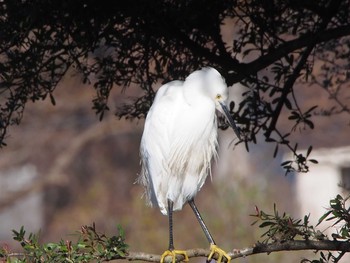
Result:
266,223
323,217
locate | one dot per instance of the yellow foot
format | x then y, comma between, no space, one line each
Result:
173,254
221,254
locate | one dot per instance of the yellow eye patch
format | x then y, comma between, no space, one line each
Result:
218,96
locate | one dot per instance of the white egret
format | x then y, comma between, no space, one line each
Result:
178,143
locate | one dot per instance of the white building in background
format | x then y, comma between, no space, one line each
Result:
327,179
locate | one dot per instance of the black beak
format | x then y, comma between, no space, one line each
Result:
230,120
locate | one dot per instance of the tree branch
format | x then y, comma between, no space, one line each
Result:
293,245
262,62
243,70
258,248
288,88
303,59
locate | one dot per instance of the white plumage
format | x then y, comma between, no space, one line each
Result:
180,138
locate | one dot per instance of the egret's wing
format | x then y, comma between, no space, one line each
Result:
155,143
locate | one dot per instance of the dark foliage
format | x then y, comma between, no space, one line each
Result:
114,45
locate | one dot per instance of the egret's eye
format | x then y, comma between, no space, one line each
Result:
218,96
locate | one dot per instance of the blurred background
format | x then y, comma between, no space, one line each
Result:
63,168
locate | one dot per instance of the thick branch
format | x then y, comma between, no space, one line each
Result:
243,70
288,88
291,80
258,248
292,245
262,62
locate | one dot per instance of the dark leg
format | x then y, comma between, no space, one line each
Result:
214,249
170,216
201,222
171,251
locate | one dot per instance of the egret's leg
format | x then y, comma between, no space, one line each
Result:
213,247
170,216
171,251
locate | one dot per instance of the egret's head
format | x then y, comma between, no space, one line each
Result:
216,88
208,82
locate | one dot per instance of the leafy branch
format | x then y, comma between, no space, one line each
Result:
282,230
117,45
91,245
281,233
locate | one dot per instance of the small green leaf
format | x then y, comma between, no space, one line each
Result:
323,217
266,223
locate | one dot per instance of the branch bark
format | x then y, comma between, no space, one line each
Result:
242,70
258,248
333,7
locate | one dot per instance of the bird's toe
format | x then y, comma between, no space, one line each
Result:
222,255
172,254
